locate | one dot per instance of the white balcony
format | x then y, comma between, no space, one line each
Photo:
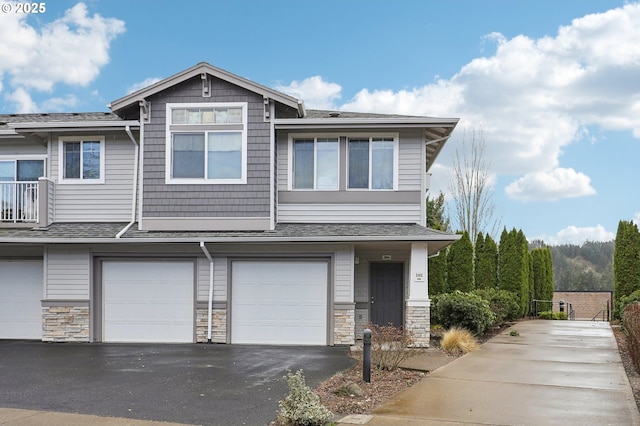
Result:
19,202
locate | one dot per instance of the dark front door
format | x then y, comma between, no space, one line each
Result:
386,293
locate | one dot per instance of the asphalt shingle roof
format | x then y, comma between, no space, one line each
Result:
63,117
295,232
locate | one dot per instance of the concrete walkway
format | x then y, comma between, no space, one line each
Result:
552,373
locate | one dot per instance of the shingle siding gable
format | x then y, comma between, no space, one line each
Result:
206,200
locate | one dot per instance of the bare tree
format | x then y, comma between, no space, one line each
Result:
471,188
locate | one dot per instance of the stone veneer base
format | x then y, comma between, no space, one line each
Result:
65,324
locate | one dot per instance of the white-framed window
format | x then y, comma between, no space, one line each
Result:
23,169
81,159
206,143
372,162
316,163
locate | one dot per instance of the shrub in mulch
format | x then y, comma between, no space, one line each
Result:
631,324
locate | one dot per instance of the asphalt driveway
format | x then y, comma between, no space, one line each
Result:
193,384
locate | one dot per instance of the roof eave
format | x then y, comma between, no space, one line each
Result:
72,125
303,123
203,67
249,240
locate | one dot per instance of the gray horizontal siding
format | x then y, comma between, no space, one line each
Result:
343,275
411,162
219,279
107,202
67,274
349,213
22,147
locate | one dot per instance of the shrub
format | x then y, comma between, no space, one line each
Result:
631,324
548,315
390,346
627,300
465,310
504,304
302,407
458,341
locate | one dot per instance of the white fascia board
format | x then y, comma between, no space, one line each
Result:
196,70
8,134
241,240
73,125
304,123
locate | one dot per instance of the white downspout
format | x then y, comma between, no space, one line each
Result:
210,302
135,183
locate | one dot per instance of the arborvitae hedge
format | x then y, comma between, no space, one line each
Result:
626,263
460,265
438,274
486,262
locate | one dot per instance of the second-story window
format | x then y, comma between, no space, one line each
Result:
207,143
316,163
372,163
81,159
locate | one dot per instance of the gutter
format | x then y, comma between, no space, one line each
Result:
210,301
135,182
239,240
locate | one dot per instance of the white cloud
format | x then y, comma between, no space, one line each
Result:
59,104
69,50
549,186
22,101
578,235
141,85
533,97
636,218
314,91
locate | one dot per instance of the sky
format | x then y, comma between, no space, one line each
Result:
552,88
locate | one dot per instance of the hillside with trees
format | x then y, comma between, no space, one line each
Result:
588,267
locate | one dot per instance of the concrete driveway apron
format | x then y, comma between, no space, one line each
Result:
552,373
192,384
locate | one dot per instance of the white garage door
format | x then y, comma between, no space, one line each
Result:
148,301
278,302
20,295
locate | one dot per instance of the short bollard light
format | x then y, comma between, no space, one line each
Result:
366,356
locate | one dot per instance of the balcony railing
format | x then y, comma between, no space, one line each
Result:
19,202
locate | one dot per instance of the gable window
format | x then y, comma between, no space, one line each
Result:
316,163
207,143
372,163
81,159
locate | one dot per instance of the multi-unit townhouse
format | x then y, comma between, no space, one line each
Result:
209,208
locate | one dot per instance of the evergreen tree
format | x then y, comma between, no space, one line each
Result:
626,263
539,266
460,265
436,219
526,288
438,273
547,289
513,263
486,262
507,272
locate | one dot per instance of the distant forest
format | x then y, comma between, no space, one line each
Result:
588,267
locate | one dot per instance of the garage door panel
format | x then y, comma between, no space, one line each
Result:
279,302
20,299
148,301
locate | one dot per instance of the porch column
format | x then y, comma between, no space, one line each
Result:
418,305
